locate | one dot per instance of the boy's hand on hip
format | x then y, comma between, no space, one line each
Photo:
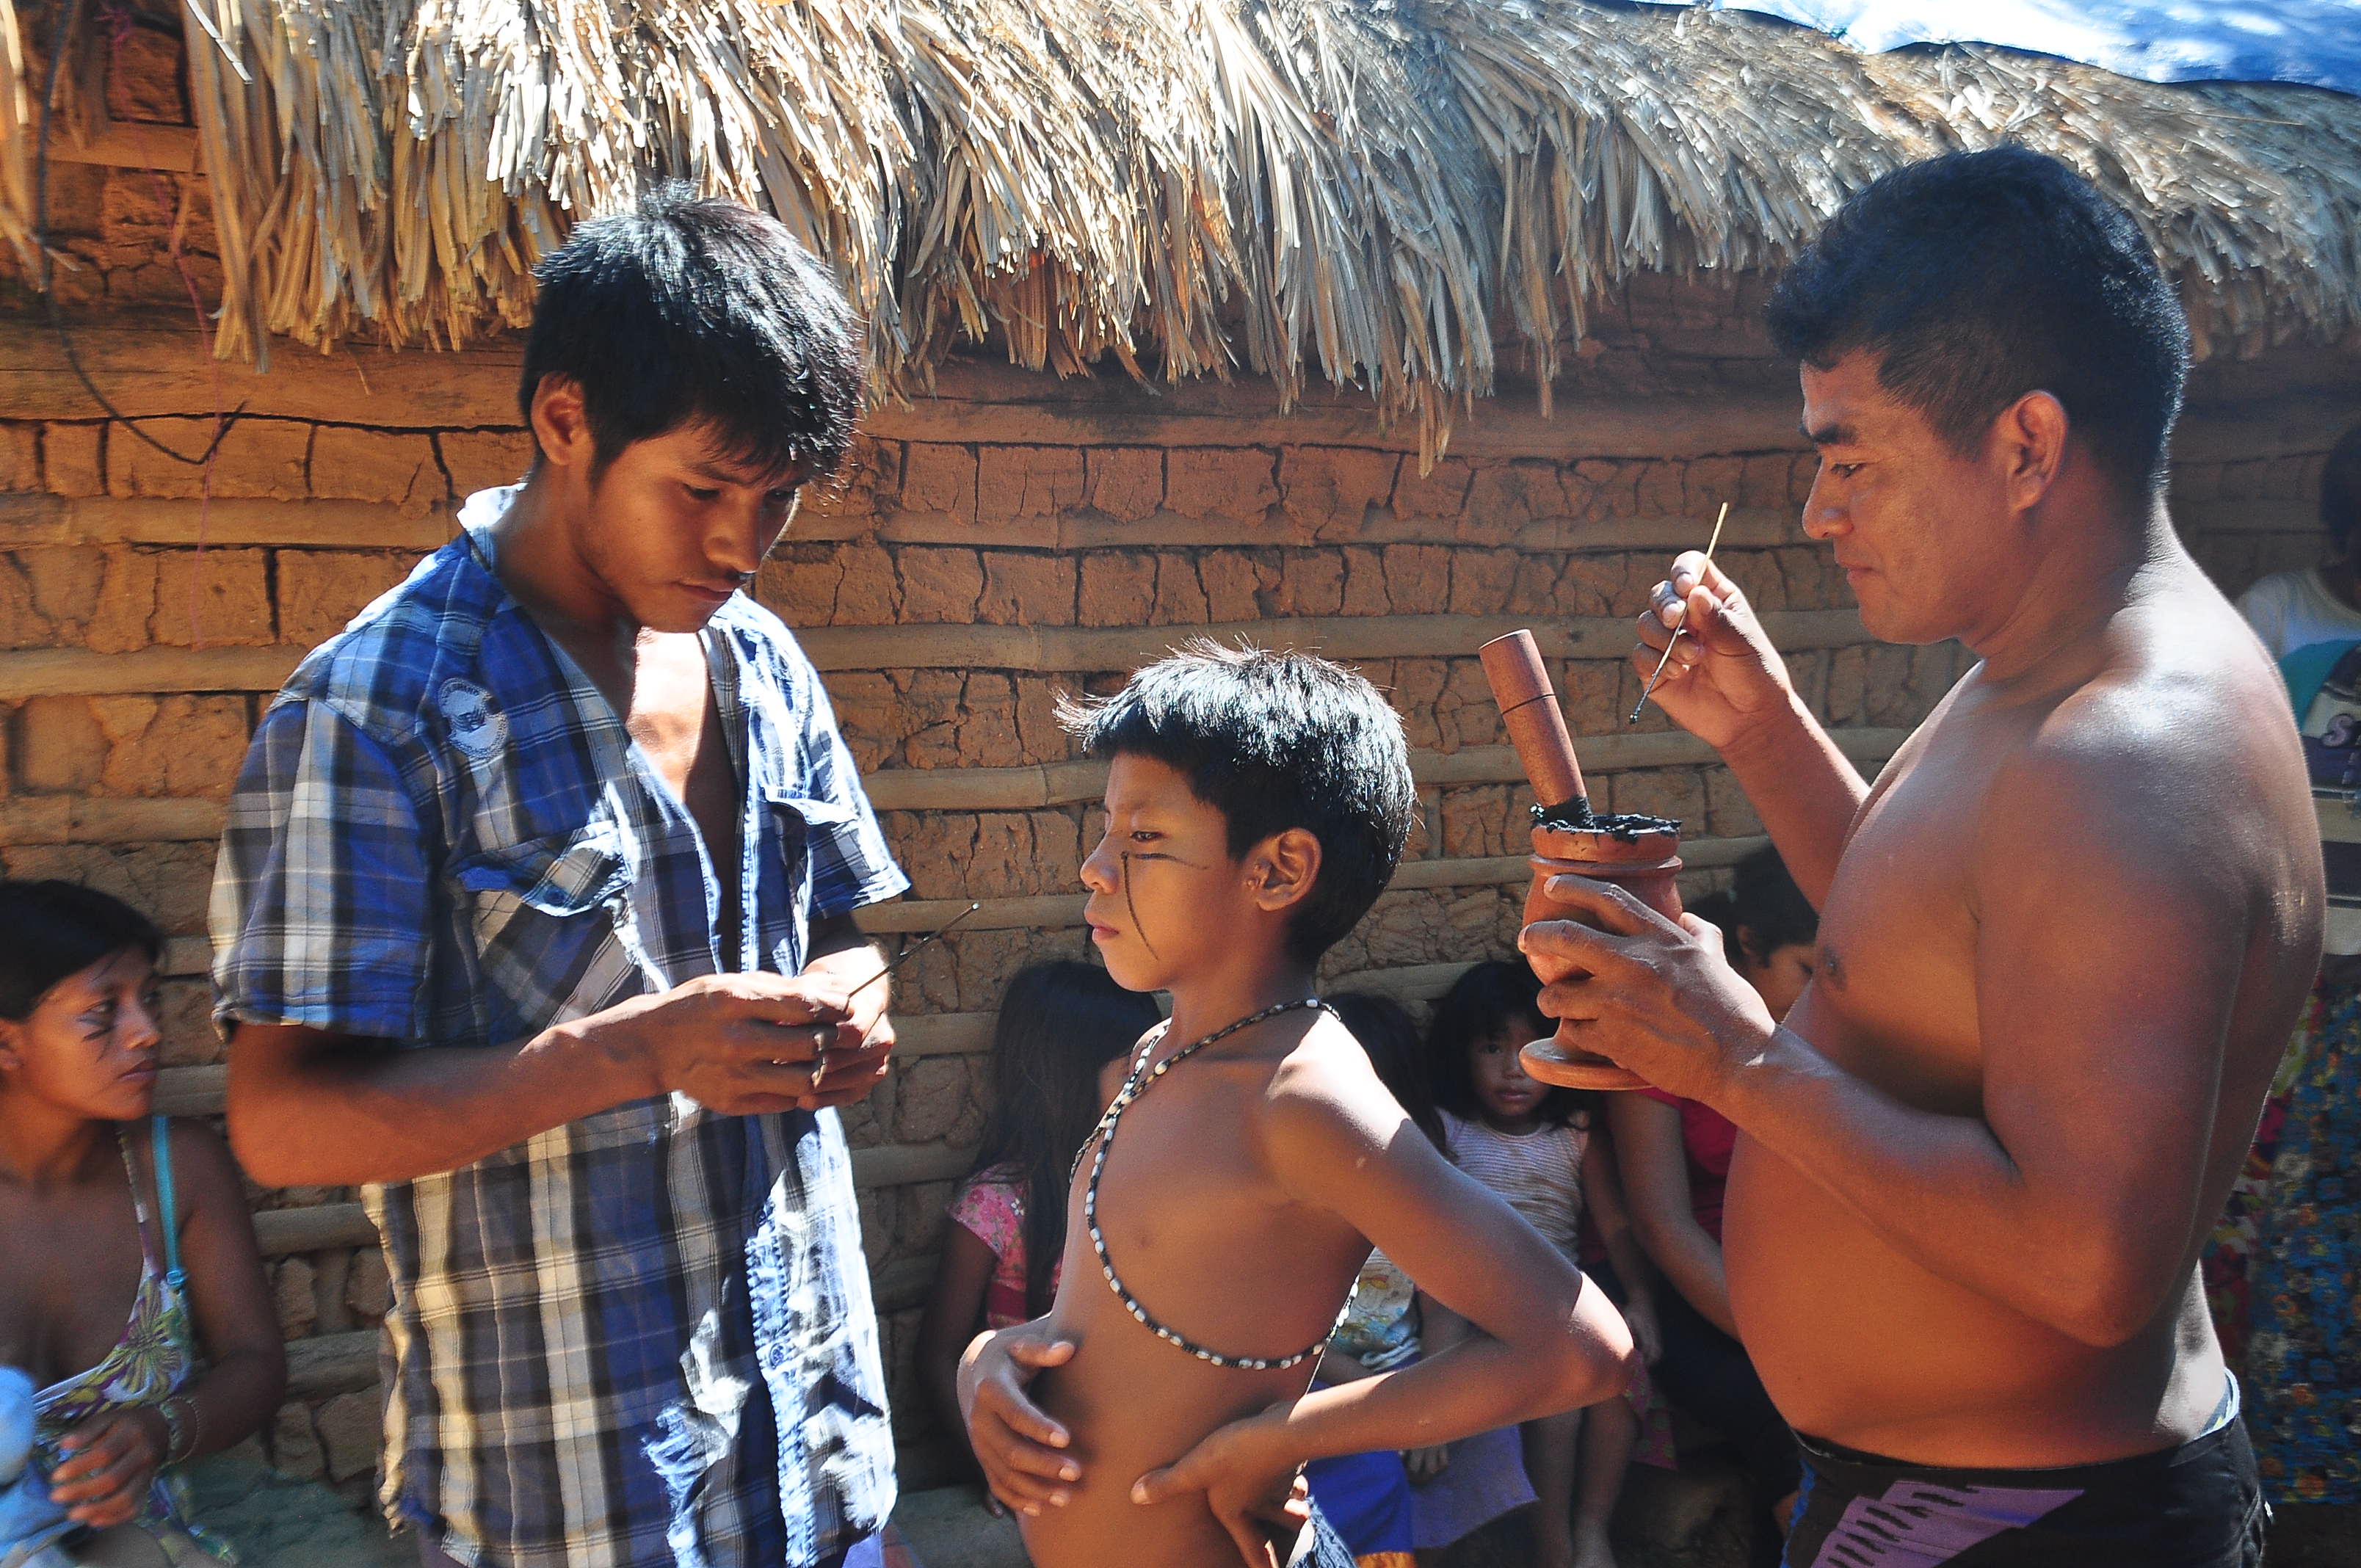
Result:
1653,996
1250,1480
1019,1447
1724,676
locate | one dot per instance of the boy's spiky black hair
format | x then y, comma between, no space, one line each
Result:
1274,740
1980,277
689,310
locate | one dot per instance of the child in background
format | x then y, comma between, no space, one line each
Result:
139,1317
1452,1489
1248,1159
1059,1023
1537,1147
1368,1496
1675,1157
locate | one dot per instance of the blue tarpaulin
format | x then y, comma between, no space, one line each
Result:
2316,42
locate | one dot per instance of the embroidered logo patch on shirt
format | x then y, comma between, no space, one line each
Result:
477,727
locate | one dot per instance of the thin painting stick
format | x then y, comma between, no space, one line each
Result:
1681,622
903,957
907,954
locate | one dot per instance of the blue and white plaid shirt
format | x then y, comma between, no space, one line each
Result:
443,837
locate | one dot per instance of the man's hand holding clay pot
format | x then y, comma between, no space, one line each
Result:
1654,996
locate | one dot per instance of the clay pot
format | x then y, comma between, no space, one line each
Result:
1644,867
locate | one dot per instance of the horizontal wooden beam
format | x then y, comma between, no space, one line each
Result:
903,1283
1749,528
941,1034
1407,982
78,671
193,1090
1058,911
1075,649
155,364
152,367
324,1227
108,819
896,1166
1037,785
331,1364
129,144
98,819
27,521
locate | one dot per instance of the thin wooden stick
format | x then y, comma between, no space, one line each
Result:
1681,623
907,954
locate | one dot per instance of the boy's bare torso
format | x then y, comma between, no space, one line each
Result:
1857,1341
1202,1236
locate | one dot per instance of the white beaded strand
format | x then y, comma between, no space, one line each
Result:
1134,1084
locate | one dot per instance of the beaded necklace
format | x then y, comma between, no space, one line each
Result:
1136,1084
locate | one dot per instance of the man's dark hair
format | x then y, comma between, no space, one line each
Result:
695,310
1977,277
49,930
1274,741
2340,490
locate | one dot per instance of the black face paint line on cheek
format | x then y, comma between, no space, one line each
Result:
1132,905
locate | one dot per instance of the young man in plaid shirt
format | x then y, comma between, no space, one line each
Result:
533,918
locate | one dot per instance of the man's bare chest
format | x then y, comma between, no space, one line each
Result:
1893,995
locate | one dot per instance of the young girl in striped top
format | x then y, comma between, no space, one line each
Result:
1536,1147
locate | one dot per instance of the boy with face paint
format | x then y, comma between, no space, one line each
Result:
1256,805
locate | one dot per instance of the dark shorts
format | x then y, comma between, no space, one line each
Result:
2198,1506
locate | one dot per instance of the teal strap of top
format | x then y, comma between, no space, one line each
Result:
170,1219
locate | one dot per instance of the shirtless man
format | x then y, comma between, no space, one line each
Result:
2062,938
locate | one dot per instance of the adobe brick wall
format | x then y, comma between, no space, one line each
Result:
133,661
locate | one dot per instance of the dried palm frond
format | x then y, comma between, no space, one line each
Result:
1373,192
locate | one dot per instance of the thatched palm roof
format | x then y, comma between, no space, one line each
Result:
1376,191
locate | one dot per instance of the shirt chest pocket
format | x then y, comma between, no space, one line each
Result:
548,914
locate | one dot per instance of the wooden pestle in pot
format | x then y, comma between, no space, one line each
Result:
1528,703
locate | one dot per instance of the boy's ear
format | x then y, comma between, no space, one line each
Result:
1281,870
560,425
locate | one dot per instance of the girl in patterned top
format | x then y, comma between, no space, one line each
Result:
1536,1146
1060,1024
146,1330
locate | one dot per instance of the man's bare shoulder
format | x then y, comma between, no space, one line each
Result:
2183,728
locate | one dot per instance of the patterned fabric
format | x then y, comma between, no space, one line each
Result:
156,1353
1380,1324
2196,1505
991,1205
2299,1237
645,1336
